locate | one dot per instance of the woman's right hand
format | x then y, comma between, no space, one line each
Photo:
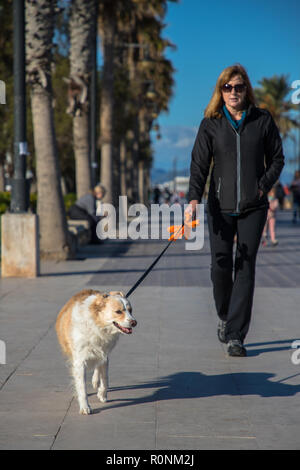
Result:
191,208
260,192
189,214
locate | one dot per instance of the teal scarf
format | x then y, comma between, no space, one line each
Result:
236,124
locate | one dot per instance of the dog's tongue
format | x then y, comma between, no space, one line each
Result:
128,331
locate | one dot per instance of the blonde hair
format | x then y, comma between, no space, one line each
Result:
101,187
214,106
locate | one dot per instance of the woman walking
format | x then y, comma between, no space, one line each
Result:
244,146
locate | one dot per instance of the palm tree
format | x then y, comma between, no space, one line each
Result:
272,95
52,219
158,74
146,65
129,23
107,27
82,26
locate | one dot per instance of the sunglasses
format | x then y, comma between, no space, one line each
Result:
227,88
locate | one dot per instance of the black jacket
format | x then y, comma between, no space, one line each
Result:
244,161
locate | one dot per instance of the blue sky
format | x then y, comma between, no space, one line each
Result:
263,35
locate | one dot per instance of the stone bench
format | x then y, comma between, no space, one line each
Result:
81,230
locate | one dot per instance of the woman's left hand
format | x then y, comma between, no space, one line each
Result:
260,192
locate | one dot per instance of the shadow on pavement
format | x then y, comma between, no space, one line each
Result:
186,385
121,271
256,352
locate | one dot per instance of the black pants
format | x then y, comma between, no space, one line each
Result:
76,212
234,294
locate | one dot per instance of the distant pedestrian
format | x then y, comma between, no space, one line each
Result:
280,194
156,195
243,144
271,219
175,198
295,189
167,195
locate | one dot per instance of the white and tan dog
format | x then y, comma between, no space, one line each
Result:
88,327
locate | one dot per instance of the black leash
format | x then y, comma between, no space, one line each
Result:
152,265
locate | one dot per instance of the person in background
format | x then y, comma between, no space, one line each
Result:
87,208
271,219
156,195
280,194
175,198
167,195
295,189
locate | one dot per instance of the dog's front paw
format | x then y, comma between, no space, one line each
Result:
102,395
86,410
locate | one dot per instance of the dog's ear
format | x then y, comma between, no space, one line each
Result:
114,292
101,300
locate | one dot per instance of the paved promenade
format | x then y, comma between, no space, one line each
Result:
172,385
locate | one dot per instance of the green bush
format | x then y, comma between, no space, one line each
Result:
69,200
4,201
3,207
5,197
33,201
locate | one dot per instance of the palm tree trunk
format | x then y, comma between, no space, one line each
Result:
50,207
123,168
116,190
143,139
82,27
135,157
82,155
141,182
129,169
107,105
147,184
2,179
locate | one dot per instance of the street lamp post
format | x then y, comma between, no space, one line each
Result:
93,105
19,199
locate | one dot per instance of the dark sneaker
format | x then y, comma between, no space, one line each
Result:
221,331
235,348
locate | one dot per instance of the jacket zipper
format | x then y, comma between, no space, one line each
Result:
238,169
219,187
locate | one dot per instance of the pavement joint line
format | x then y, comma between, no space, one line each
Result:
6,294
26,355
62,422
157,365
210,437
240,396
